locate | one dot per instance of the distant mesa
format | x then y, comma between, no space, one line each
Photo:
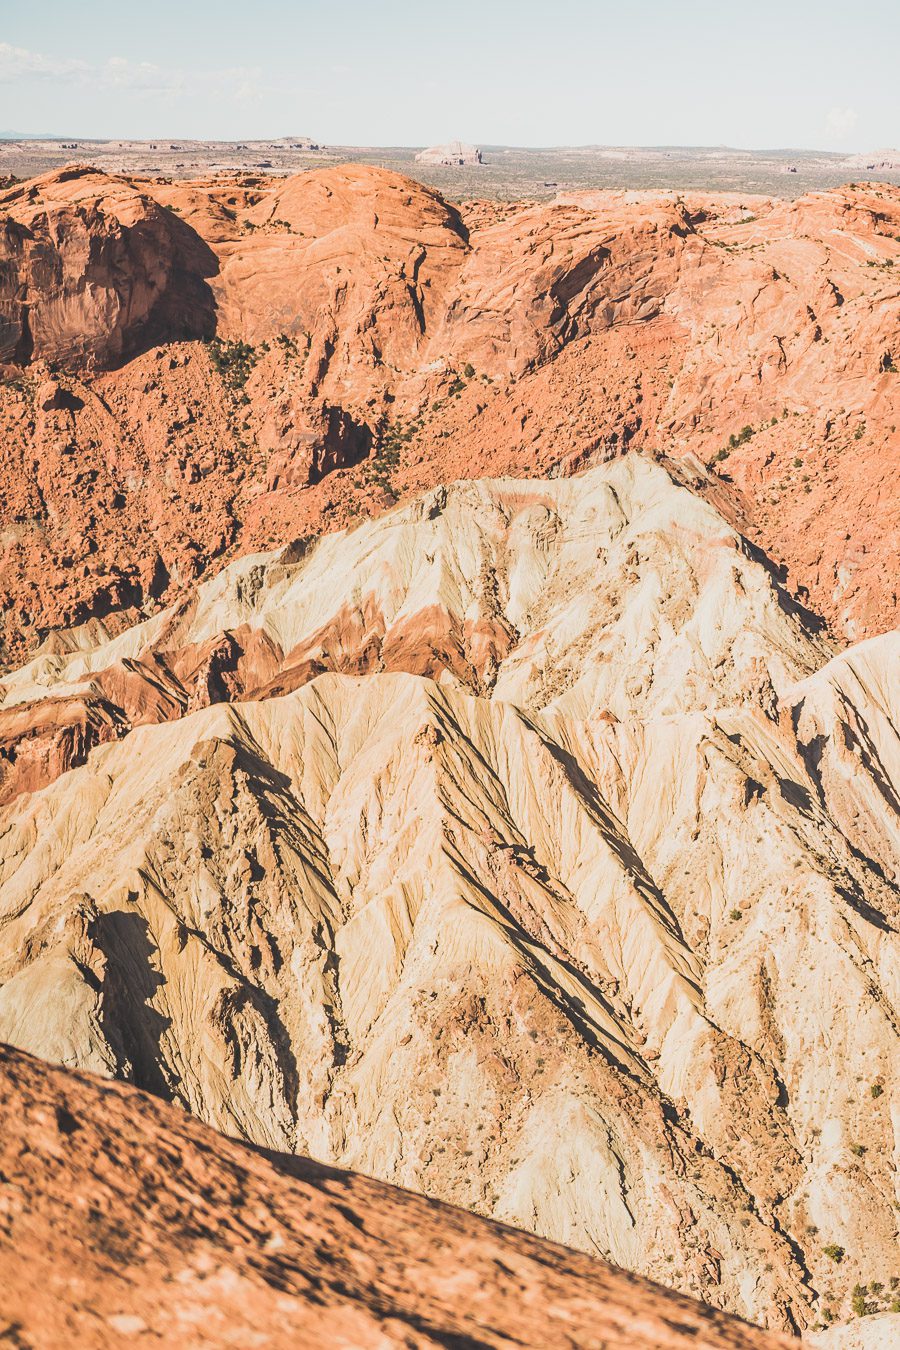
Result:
877,159
453,153
298,143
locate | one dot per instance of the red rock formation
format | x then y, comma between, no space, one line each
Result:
39,741
374,341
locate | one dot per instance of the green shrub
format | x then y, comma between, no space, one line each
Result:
233,361
743,436
835,1252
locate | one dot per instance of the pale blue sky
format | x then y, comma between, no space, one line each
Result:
761,74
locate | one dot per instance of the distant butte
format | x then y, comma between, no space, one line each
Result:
455,153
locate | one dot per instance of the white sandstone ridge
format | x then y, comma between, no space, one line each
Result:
451,153
575,905
619,591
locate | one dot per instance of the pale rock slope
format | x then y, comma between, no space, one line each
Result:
574,904
877,1332
127,1222
614,593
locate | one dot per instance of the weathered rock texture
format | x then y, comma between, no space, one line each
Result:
373,341
528,847
126,1222
92,270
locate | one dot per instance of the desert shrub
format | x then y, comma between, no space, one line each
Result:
743,436
232,360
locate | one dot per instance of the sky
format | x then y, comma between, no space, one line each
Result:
763,74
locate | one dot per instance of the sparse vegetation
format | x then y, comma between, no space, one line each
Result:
379,469
293,347
835,1252
743,436
735,441
868,1299
232,360
860,1304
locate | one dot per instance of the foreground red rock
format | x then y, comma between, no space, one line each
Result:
124,1221
376,341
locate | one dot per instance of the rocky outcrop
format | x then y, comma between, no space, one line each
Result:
351,264
528,847
125,1220
93,271
314,443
